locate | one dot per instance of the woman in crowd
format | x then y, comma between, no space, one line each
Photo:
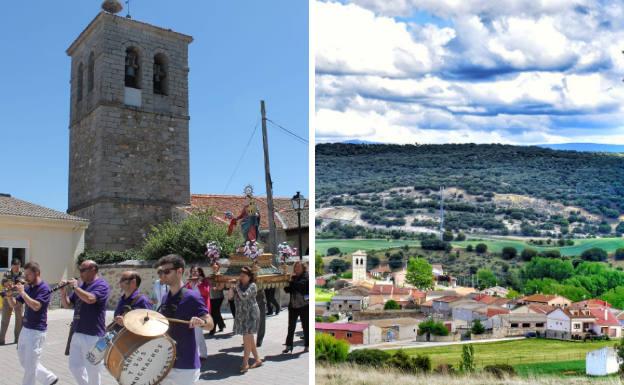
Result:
216,299
198,282
298,307
247,315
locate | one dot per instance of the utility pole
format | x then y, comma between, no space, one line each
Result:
269,186
441,213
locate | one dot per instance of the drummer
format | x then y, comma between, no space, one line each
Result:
89,303
183,304
132,297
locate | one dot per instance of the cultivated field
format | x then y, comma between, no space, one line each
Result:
494,245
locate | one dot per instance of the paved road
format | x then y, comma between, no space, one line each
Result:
414,344
225,353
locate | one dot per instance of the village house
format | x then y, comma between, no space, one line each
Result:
381,272
569,324
515,325
442,307
496,291
394,329
493,300
348,303
353,333
405,297
545,299
535,309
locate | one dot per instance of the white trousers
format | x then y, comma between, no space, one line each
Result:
181,377
29,349
201,342
83,371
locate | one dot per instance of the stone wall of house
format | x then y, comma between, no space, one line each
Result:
129,165
386,314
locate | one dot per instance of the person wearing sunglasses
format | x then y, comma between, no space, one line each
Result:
89,303
131,298
184,304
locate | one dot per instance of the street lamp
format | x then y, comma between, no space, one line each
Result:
298,204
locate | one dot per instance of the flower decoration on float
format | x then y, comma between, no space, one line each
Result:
213,252
252,250
284,250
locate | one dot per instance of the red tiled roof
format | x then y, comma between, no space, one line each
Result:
392,290
600,313
544,298
492,311
574,313
591,303
350,327
540,309
448,299
284,213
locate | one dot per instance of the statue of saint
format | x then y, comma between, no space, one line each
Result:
249,217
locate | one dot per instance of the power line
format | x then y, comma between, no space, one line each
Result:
242,156
288,131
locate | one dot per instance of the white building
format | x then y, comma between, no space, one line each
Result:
601,362
359,266
34,233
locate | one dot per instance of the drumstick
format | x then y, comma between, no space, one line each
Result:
178,321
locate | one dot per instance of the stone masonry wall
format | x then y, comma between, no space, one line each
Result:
129,166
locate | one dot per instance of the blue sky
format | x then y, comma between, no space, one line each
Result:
243,51
447,71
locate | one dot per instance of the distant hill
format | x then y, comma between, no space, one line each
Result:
593,181
357,141
585,147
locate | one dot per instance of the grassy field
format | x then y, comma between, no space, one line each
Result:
494,245
526,351
345,374
561,368
322,295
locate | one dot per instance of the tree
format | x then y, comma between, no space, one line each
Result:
337,266
509,252
395,261
467,363
419,273
619,253
477,327
469,248
392,305
619,229
333,251
432,327
595,254
553,253
512,294
486,278
460,237
447,236
528,254
319,267
481,248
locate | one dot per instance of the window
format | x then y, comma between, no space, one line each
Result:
133,68
526,325
539,325
90,72
577,326
514,325
79,82
350,306
19,253
11,249
4,256
332,334
349,334
160,74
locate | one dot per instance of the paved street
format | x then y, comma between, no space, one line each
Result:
222,367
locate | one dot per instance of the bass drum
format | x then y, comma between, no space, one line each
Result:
138,360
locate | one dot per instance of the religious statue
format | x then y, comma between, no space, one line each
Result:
249,217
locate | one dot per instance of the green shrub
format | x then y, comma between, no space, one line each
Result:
332,318
329,349
406,363
432,327
467,363
500,371
481,248
189,237
106,257
392,305
477,327
370,357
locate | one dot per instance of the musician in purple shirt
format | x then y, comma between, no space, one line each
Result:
132,297
89,303
36,296
184,304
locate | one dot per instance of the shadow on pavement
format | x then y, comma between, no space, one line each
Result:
221,366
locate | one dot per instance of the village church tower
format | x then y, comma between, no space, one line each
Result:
128,130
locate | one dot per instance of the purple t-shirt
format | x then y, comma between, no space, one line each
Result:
90,318
37,320
191,305
125,304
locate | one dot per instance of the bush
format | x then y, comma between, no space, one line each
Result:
391,305
481,248
369,357
551,254
595,254
432,327
189,237
477,327
528,254
106,257
619,254
402,361
333,251
329,349
469,248
509,253
500,371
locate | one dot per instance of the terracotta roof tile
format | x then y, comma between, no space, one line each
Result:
17,207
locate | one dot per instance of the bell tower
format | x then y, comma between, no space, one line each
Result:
129,128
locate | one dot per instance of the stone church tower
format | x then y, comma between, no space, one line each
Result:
129,129
358,266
